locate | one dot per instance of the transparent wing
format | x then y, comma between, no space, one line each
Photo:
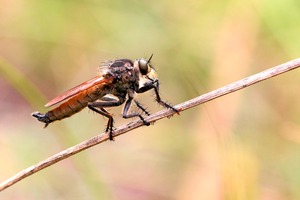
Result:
77,89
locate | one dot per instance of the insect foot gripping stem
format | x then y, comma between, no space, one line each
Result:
42,118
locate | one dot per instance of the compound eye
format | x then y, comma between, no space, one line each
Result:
143,66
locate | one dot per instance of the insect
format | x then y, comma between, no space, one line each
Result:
117,82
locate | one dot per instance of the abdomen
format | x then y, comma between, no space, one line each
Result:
73,105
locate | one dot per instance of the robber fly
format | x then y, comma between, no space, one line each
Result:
117,79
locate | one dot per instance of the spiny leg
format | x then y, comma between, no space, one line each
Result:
154,84
163,103
140,106
98,108
110,122
134,114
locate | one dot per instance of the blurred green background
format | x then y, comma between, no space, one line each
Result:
241,146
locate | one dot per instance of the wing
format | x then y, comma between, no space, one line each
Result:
77,89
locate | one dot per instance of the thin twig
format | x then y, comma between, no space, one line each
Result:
152,118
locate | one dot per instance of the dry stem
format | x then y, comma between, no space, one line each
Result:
152,118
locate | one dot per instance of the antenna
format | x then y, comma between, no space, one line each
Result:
150,58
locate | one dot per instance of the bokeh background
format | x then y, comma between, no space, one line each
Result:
241,146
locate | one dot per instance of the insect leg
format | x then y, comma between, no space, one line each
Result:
141,107
110,122
154,84
162,102
98,108
108,98
134,114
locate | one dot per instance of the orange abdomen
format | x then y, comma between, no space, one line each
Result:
77,103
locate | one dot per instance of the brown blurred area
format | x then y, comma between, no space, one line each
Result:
245,145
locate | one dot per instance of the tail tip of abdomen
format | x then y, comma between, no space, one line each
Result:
42,118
